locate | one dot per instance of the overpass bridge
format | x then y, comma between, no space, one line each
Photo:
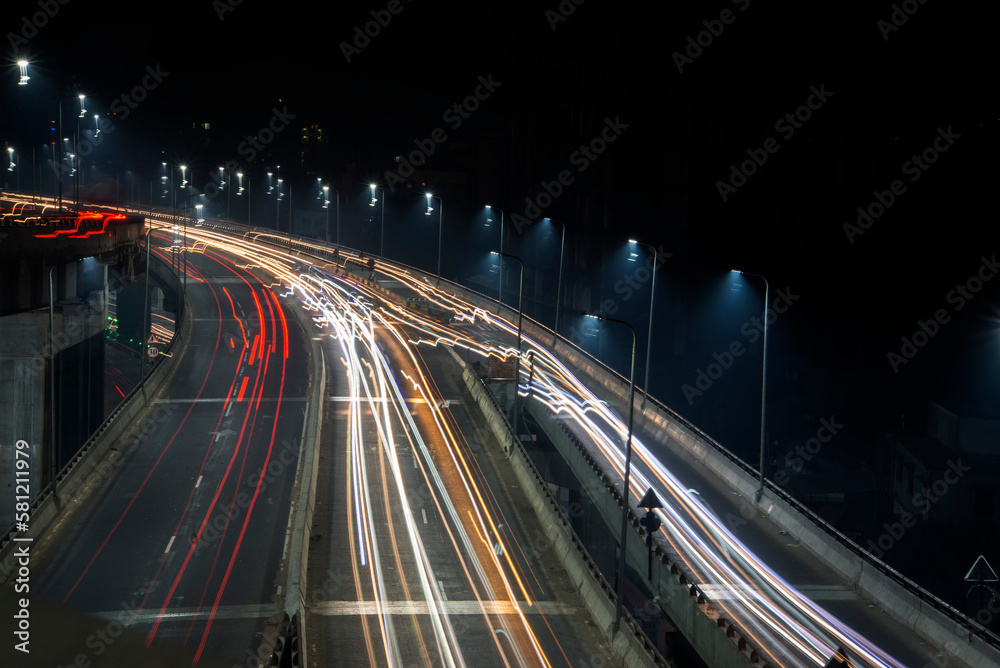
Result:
807,564
53,313
912,626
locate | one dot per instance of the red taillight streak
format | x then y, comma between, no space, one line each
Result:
146,479
246,519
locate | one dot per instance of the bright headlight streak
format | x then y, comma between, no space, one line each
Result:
806,607
615,456
449,439
600,435
443,631
276,261
461,463
362,496
813,613
678,535
459,525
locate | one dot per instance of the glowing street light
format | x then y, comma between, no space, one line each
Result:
440,213
763,386
633,257
490,220
23,65
11,166
381,243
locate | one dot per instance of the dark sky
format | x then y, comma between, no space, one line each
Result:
895,77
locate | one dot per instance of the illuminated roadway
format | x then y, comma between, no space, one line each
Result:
419,554
791,628
423,563
149,545
430,558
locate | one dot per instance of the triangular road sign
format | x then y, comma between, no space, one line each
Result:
152,340
981,571
650,500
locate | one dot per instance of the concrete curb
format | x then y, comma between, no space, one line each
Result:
630,643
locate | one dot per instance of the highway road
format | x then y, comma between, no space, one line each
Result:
421,553
182,536
417,556
787,604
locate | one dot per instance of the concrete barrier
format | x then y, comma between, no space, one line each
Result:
71,480
630,644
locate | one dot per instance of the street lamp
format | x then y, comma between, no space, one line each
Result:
229,194
489,220
562,245
12,167
628,463
23,65
326,191
652,295
381,243
763,387
239,191
277,207
440,214
517,362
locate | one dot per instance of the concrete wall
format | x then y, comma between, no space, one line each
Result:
630,643
25,365
93,462
713,637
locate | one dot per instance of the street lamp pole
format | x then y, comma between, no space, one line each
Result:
381,243
628,465
500,273
763,388
440,215
562,246
649,335
517,362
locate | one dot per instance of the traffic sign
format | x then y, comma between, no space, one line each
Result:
152,340
152,352
650,500
981,571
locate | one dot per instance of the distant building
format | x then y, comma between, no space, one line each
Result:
312,157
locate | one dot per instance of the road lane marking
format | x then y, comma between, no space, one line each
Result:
344,608
169,544
198,482
423,513
250,611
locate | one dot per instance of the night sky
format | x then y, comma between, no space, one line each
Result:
704,89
